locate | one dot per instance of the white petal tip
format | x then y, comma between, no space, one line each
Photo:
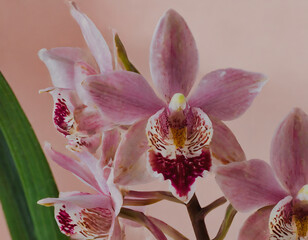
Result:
45,203
46,90
42,53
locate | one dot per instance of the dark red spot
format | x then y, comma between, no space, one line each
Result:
65,221
60,114
181,171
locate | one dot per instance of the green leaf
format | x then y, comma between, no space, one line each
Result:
122,55
30,164
12,197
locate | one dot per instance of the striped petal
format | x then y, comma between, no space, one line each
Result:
224,146
249,185
227,93
123,97
179,148
94,39
280,223
173,56
256,226
289,151
130,159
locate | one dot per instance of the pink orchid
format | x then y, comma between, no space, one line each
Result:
74,114
179,128
282,203
84,215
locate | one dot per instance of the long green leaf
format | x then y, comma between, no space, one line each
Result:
12,197
31,165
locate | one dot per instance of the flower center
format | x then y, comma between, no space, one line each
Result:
178,102
179,136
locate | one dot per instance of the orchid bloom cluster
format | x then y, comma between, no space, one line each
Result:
124,131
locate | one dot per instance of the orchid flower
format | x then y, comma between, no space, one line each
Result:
74,115
279,191
177,124
84,215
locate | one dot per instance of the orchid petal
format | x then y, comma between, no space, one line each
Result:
94,39
224,145
130,159
110,142
227,93
280,221
182,172
180,148
66,102
173,57
124,97
249,185
78,142
90,121
60,63
115,193
117,233
289,152
81,71
256,226
80,169
83,216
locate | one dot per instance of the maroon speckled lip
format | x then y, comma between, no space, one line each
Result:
181,171
65,221
60,113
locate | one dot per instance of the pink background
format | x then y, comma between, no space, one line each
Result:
268,36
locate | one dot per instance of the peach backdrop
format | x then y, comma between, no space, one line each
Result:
268,36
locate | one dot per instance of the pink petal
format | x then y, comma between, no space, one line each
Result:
227,93
115,193
81,71
110,142
249,185
78,142
224,145
281,222
289,151
94,39
60,63
124,97
89,120
256,226
173,56
117,233
83,216
80,169
130,159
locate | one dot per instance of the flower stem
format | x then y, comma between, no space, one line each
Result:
170,231
162,195
218,202
139,202
194,209
229,216
142,219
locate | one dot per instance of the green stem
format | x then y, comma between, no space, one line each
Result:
161,195
218,202
194,209
139,202
170,231
142,219
229,216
